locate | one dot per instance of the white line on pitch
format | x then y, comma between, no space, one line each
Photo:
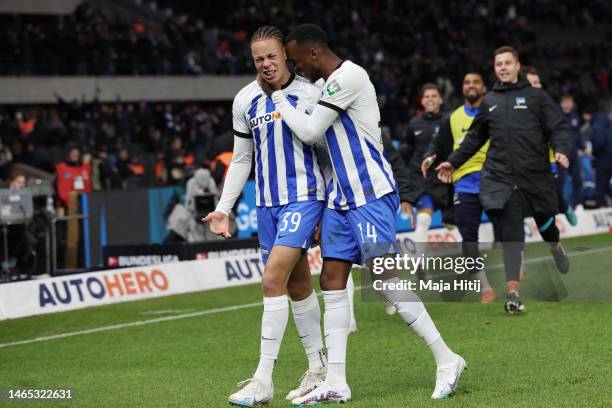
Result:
131,324
168,312
549,257
135,324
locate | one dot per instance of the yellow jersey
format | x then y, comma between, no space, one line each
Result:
460,121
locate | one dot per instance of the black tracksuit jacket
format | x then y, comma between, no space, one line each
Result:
522,122
422,129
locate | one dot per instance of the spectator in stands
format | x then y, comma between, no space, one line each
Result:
26,123
601,138
589,195
125,165
177,161
568,109
124,122
35,156
18,180
220,165
154,142
222,151
533,76
203,136
6,157
199,39
100,170
72,176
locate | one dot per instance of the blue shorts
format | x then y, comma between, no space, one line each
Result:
362,233
425,201
291,225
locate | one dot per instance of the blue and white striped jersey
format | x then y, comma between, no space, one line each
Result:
286,170
362,172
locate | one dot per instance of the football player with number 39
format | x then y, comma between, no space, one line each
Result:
289,197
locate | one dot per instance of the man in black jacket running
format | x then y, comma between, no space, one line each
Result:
521,123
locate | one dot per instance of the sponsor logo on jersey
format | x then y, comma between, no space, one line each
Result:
264,119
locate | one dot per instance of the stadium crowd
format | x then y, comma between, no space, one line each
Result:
156,142
153,143
402,48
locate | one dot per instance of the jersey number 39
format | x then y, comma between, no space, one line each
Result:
291,221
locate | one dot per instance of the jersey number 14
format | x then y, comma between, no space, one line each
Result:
370,231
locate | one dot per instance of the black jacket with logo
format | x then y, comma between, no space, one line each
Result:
522,122
422,129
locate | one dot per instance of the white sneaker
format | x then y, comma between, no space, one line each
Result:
353,326
447,378
324,394
253,393
309,381
390,309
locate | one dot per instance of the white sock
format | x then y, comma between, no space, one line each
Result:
441,352
317,360
336,323
423,222
350,287
307,316
336,374
425,328
484,282
273,324
413,312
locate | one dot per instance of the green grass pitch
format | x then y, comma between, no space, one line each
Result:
555,355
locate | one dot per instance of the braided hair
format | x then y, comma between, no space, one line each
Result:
267,33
